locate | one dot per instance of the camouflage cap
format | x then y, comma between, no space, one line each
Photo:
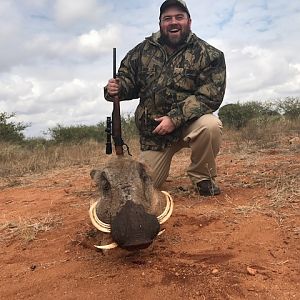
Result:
179,3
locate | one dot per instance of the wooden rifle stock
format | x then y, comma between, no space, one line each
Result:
116,117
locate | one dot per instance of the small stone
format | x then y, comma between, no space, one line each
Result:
251,271
215,271
32,267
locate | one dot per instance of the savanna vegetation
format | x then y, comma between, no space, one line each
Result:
249,124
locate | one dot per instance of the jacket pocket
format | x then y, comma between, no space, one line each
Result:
185,79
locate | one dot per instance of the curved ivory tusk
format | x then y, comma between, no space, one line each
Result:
107,247
167,208
104,227
167,213
161,232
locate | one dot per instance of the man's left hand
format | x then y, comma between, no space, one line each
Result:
165,126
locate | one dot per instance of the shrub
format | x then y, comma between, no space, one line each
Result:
77,134
11,131
237,116
83,133
129,129
290,107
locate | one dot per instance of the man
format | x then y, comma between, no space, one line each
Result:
180,80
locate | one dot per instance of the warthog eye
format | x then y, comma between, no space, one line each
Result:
105,185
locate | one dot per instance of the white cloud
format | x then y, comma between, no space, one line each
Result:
73,49
68,12
258,73
34,3
15,87
98,41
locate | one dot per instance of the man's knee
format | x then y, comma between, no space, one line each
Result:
211,123
208,126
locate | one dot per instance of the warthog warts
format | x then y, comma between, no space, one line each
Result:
129,208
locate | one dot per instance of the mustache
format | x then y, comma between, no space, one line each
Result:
174,26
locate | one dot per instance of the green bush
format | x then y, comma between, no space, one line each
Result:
290,107
237,116
11,131
128,126
77,134
83,133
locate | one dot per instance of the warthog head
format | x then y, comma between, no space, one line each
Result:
129,208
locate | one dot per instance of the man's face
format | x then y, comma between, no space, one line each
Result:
175,26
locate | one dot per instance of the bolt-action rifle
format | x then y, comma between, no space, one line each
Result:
113,127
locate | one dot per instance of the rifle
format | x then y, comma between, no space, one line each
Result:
108,136
115,130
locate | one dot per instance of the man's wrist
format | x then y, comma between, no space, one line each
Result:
176,120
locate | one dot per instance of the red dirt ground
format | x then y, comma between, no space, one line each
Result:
242,244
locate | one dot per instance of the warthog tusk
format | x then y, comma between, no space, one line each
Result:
161,232
107,247
104,227
168,210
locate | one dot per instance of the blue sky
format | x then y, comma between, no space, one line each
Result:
56,55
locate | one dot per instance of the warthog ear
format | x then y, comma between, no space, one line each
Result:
132,228
93,173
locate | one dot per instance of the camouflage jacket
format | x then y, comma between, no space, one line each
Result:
184,85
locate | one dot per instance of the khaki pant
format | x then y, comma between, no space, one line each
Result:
204,138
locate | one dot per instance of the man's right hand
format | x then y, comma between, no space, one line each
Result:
113,87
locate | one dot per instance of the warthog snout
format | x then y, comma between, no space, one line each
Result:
133,227
129,208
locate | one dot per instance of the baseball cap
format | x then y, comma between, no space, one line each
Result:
179,3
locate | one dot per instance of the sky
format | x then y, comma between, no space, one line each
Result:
56,55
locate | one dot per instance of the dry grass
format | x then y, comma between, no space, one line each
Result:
283,192
17,160
278,175
265,134
286,192
246,210
26,230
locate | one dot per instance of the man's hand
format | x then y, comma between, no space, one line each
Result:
165,125
113,87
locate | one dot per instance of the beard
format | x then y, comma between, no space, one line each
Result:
174,41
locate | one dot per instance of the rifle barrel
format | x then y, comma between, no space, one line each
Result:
116,117
114,63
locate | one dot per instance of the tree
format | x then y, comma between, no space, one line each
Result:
11,131
290,107
235,115
77,134
238,115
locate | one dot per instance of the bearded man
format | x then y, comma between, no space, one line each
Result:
180,81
